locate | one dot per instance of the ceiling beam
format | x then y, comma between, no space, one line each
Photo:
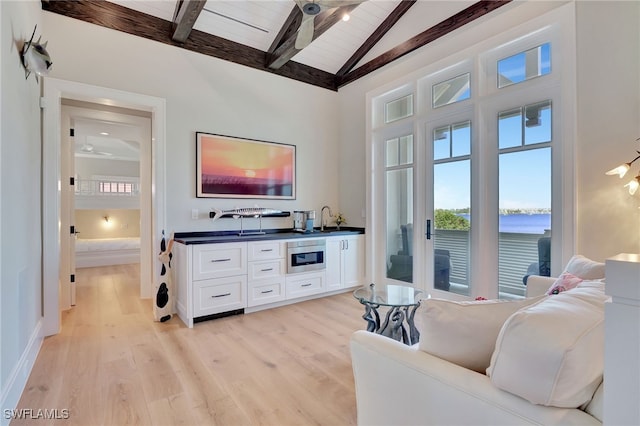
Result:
119,18
377,35
322,23
441,29
187,12
289,27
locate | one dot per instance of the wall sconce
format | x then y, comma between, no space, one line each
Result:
622,170
107,219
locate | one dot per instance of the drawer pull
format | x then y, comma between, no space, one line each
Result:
266,291
266,270
266,250
222,295
221,260
305,285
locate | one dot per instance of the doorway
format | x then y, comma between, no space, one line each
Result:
55,91
106,158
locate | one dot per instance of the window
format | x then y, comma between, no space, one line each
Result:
524,66
398,109
451,91
524,141
399,208
459,207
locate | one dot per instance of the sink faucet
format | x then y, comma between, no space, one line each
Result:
322,222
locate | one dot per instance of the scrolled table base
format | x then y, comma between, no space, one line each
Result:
394,325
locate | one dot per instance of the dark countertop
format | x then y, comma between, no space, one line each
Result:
214,237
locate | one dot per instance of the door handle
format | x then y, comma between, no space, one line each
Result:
428,229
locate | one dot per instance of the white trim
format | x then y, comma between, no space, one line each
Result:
17,380
54,91
557,26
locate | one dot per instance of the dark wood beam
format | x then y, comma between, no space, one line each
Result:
377,35
443,28
185,18
322,23
119,18
289,27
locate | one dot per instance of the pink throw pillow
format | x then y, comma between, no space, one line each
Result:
565,281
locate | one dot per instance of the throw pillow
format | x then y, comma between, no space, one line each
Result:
585,268
552,353
564,282
465,333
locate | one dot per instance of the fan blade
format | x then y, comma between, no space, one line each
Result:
329,4
305,32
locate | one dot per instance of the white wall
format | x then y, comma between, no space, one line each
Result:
608,220
208,95
608,66
20,283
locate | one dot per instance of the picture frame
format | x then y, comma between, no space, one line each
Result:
233,167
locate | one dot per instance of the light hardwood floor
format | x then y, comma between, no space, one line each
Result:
113,365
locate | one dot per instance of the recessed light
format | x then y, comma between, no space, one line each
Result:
104,133
346,17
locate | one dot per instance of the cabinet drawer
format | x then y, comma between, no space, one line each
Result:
219,260
219,295
266,269
266,291
299,285
266,250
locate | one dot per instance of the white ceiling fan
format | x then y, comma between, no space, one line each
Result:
309,11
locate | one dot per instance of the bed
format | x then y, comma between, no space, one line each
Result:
107,251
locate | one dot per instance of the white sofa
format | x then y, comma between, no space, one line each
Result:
398,384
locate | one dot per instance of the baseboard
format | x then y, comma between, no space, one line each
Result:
19,375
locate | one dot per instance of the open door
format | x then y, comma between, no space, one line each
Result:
67,220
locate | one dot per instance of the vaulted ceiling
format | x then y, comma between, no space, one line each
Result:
262,33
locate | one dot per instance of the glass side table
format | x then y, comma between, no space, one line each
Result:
402,302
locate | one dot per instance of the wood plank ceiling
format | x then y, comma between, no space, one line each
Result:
179,30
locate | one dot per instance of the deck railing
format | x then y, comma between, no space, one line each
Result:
516,253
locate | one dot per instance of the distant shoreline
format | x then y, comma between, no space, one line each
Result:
522,223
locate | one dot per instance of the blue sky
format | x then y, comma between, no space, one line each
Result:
525,176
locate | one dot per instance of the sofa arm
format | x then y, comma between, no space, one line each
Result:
537,285
398,384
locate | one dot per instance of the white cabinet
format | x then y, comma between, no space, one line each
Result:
219,295
266,272
345,261
305,284
216,278
219,260
209,279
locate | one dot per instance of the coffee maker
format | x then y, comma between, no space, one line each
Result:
303,220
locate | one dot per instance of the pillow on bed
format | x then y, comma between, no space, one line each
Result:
465,333
552,353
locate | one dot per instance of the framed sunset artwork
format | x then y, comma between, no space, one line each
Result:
230,167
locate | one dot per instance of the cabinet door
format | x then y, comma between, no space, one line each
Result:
219,295
266,250
266,269
266,291
219,260
334,263
305,284
353,261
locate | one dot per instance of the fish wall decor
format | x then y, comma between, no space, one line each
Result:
35,57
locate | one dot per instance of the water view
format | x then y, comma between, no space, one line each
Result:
523,223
